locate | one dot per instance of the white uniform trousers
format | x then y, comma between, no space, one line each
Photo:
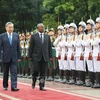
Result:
63,64
96,64
80,64
90,64
67,64
72,64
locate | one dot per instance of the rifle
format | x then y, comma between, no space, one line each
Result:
90,54
72,56
98,58
59,55
81,56
65,56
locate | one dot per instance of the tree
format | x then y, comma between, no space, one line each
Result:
69,10
25,14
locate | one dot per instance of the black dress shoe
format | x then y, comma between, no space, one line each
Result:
42,89
14,89
33,86
5,89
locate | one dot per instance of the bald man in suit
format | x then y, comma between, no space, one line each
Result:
40,52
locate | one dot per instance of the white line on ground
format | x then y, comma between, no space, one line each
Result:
9,97
70,93
75,94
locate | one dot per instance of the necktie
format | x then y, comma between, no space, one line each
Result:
10,39
41,38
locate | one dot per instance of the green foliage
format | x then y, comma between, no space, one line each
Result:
25,14
49,20
69,10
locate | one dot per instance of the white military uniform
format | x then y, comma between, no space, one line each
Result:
63,64
80,64
88,48
70,44
68,51
60,49
56,44
57,40
71,47
96,50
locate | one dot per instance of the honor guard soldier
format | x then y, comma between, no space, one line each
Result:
23,54
88,40
96,53
71,51
80,63
58,52
26,60
65,61
51,64
20,63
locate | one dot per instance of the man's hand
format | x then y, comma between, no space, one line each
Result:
51,58
19,60
30,59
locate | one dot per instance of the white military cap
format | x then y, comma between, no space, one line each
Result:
98,19
82,23
60,27
73,25
90,21
66,26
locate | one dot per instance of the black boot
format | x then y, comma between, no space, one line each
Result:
62,76
97,85
73,76
68,75
61,72
81,78
92,79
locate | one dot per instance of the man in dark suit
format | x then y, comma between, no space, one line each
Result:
40,52
10,45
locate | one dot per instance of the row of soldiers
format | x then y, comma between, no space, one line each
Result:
75,53
78,53
24,67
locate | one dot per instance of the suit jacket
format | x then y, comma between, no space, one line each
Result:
10,51
37,49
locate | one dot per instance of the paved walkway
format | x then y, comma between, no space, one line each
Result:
93,94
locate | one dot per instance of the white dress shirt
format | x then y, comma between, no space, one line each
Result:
8,35
42,36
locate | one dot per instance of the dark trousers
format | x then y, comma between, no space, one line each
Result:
39,68
12,66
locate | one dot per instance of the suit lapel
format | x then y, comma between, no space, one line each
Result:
44,37
7,38
38,37
12,38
